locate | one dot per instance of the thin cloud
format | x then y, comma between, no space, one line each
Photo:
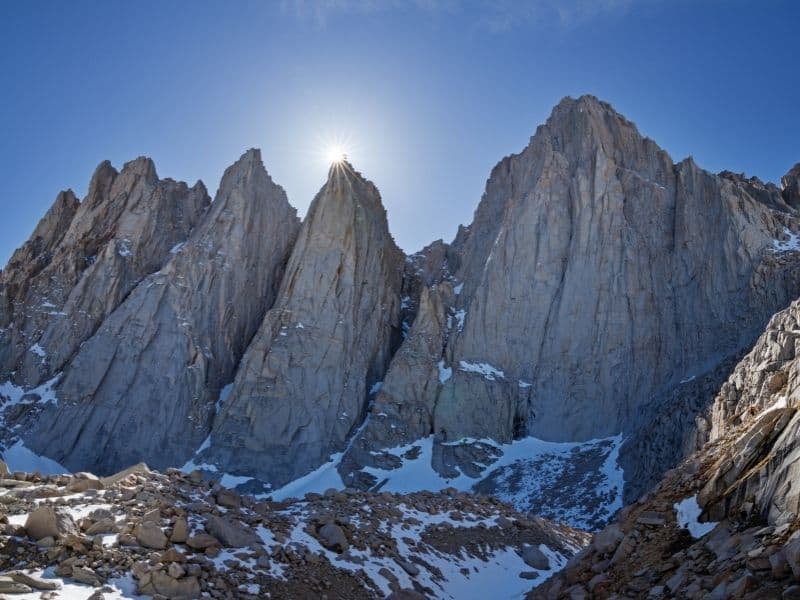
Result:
502,15
496,16
319,11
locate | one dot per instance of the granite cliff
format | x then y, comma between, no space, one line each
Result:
603,293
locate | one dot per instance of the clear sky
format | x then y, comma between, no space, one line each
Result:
430,93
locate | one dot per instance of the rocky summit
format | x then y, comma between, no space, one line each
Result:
609,347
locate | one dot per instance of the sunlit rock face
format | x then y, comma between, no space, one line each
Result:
83,259
600,290
759,402
303,384
144,386
597,278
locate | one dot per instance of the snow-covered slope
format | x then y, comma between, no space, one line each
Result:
142,532
576,483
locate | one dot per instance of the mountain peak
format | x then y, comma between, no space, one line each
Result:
587,114
142,166
248,169
344,170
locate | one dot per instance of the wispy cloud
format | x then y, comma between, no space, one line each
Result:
494,15
319,11
503,15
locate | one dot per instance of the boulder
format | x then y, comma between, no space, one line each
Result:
333,537
230,532
651,518
778,564
153,515
228,498
102,526
791,593
150,535
173,555
80,482
86,575
175,570
791,552
33,581
9,586
164,584
180,531
201,541
137,469
608,539
535,558
49,521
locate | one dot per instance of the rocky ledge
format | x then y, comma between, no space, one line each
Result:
694,535
140,533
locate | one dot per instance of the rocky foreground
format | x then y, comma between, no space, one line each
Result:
143,533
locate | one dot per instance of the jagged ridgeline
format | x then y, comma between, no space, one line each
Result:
600,296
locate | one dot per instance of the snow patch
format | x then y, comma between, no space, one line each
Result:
123,248
790,244
688,511
489,372
223,395
16,394
529,474
38,351
231,481
458,288
122,588
176,248
460,316
445,372
20,458
320,479
190,465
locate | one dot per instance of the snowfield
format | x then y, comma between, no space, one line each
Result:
579,484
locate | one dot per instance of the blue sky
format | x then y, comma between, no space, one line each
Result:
430,93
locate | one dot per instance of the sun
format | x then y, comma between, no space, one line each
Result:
334,148
335,153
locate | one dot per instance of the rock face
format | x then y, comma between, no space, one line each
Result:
791,187
600,289
304,382
82,261
727,516
144,386
597,278
762,398
403,407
